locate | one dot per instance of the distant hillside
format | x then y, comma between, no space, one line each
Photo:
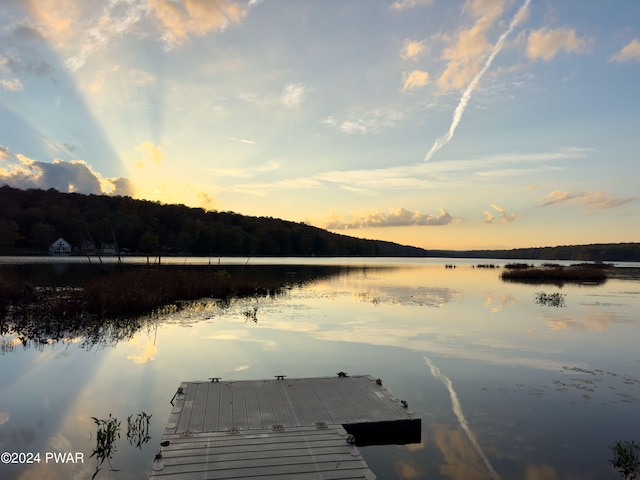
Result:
31,220
601,252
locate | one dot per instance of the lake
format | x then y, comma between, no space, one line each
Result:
506,386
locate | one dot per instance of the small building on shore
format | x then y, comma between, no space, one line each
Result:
60,247
108,248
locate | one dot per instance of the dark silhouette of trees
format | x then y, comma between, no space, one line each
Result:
31,219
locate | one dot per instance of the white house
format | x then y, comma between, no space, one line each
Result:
60,247
109,248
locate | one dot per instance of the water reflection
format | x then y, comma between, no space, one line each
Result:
545,391
48,311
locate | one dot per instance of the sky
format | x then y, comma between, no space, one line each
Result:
442,124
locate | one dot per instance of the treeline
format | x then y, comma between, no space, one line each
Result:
30,220
603,252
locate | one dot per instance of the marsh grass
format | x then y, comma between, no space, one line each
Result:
108,431
111,307
626,459
551,299
555,275
138,429
143,291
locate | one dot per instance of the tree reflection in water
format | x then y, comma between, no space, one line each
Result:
107,308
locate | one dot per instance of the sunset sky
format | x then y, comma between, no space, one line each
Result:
437,123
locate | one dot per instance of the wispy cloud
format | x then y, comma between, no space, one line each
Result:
629,53
468,47
399,217
246,141
504,216
14,85
594,200
414,79
117,18
148,153
182,18
4,152
292,97
247,171
372,121
422,176
546,43
404,4
466,96
82,31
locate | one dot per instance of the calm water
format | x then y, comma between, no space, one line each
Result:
506,388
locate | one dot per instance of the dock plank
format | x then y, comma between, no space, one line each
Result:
300,428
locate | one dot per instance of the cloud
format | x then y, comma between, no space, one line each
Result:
414,79
82,30
117,18
597,199
4,152
14,85
412,49
182,18
149,153
630,52
545,43
73,176
468,49
148,352
206,201
247,171
399,217
372,121
503,218
487,17
424,175
293,95
404,4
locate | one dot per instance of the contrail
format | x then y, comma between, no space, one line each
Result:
466,96
457,409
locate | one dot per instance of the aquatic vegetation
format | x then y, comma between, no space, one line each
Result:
626,459
513,266
251,315
138,429
550,299
555,275
108,430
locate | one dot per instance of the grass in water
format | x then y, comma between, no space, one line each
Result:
138,429
626,459
108,432
551,299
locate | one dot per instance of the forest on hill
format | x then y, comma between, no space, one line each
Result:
30,220
597,252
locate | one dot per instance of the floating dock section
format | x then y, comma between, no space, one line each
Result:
281,428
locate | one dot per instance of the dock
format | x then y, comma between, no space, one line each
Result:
284,428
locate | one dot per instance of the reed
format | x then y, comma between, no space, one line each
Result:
140,291
626,459
108,430
556,275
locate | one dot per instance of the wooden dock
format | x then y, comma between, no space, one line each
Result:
299,428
